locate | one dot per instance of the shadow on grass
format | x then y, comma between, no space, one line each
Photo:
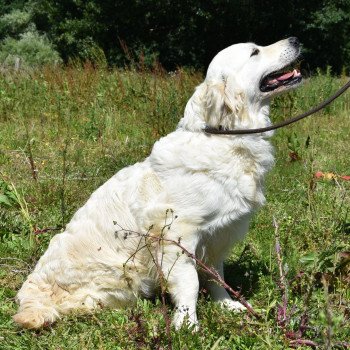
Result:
243,274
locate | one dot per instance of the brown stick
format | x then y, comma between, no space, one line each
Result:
31,158
282,318
210,271
298,342
282,312
47,229
217,277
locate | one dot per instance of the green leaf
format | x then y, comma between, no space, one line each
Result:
309,259
4,200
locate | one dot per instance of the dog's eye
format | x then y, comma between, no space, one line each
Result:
254,52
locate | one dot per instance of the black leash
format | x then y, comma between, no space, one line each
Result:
211,130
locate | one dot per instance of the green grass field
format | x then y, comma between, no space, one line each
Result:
63,132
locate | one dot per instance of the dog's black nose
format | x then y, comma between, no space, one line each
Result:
294,41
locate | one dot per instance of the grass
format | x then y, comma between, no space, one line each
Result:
63,132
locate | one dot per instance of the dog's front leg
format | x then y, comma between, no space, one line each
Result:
181,279
219,294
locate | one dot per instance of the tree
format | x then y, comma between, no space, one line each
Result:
182,33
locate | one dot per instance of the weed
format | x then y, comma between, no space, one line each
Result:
87,123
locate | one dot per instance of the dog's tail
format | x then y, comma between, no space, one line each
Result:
37,305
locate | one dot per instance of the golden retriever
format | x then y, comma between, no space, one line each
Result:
212,183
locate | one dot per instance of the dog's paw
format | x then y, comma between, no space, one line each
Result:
34,318
232,305
185,317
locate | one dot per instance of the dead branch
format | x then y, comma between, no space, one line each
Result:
209,270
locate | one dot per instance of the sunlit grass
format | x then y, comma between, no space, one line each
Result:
63,132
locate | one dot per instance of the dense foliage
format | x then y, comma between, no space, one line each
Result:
178,33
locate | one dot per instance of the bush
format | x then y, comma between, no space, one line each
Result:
14,23
31,49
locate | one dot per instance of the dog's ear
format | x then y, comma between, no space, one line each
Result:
223,104
214,103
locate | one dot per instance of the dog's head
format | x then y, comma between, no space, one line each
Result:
240,82
260,71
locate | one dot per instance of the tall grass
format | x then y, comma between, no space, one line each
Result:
64,131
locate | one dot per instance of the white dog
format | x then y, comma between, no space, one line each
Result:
212,183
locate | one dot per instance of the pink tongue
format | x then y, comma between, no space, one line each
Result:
281,78
285,76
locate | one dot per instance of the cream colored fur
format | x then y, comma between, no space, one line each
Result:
212,183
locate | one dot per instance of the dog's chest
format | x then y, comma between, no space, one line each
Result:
238,178
215,180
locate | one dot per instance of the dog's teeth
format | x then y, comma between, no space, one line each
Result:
296,73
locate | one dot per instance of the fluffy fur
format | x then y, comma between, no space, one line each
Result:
212,183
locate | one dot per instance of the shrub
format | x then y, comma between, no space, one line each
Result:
31,49
14,23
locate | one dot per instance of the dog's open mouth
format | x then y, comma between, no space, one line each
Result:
279,79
